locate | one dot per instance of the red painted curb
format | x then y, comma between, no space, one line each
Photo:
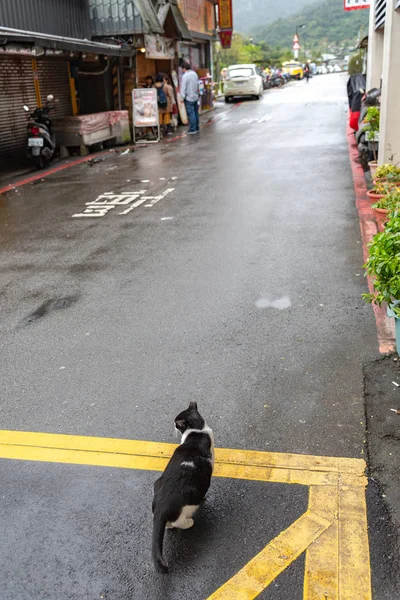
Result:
368,227
47,172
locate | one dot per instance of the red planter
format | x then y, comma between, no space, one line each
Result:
374,197
381,217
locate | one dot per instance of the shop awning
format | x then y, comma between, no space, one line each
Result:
180,22
55,42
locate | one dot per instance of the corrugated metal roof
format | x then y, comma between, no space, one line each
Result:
123,17
56,17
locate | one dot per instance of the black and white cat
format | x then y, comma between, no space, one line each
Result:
185,481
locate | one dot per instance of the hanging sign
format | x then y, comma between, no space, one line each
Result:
356,4
225,19
225,36
296,46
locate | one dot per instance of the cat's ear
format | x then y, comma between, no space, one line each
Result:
193,405
181,425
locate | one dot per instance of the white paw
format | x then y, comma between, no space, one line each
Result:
188,524
169,526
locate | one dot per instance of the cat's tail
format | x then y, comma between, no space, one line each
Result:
159,523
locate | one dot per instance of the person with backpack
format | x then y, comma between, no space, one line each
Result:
165,101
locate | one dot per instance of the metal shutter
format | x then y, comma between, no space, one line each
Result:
16,89
54,79
380,13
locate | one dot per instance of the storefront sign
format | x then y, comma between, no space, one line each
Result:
225,36
145,107
225,14
356,4
199,15
159,47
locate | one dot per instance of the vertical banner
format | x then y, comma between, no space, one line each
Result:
356,4
225,22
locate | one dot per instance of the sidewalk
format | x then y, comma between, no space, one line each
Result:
11,176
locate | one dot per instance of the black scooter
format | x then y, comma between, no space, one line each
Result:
41,140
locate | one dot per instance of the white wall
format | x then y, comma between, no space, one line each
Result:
390,105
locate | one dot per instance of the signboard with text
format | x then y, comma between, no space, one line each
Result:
159,47
145,111
225,36
356,4
225,14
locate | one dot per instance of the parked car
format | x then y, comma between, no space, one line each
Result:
294,69
243,80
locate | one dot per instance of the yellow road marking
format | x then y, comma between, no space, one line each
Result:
333,531
321,578
250,581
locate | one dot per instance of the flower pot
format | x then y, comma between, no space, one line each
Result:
390,313
381,217
373,165
374,197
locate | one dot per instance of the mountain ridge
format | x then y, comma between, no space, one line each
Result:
247,14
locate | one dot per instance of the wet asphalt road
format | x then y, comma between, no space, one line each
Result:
241,289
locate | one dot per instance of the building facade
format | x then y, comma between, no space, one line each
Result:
383,71
46,48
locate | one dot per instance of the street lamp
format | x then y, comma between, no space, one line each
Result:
300,27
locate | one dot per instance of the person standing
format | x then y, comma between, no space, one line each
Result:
190,94
307,71
171,102
164,102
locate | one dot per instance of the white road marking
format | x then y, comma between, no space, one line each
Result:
133,206
250,120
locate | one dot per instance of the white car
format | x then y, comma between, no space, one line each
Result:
243,80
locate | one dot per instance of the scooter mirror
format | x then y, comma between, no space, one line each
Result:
26,108
50,97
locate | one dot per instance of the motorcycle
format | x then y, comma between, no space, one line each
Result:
41,140
275,79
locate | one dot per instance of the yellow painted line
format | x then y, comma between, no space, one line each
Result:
250,581
333,531
161,450
321,577
354,560
151,463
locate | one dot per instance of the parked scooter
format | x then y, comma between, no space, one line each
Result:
41,140
371,98
275,79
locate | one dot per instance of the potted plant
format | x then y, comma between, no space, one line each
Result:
372,135
383,265
386,205
387,173
380,190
